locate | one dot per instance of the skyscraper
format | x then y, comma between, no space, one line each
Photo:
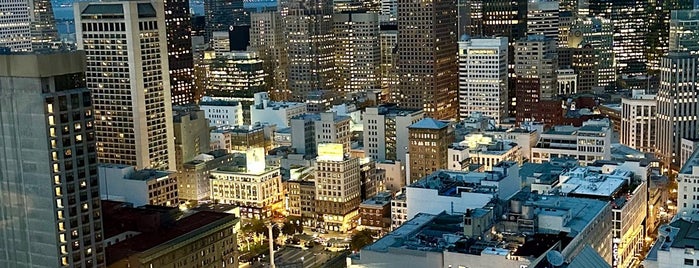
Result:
658,27
27,25
222,14
178,26
536,63
427,51
597,34
357,51
543,18
684,31
630,21
483,79
267,38
311,47
127,72
678,109
50,212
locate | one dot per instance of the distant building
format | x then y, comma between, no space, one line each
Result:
193,179
483,79
338,193
399,211
375,213
588,143
222,112
386,131
429,140
277,113
191,134
239,139
638,122
138,187
309,130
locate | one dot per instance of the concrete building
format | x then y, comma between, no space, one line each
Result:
388,40
485,150
443,190
543,18
193,179
191,134
683,30
638,122
221,112
49,175
399,210
338,193
677,106
429,140
268,39
675,245
598,34
309,130
567,82
525,138
587,143
394,173
254,187
311,47
375,213
277,113
536,62
688,147
429,73
138,187
239,139
687,190
357,51
130,83
27,25
386,131
483,77
301,192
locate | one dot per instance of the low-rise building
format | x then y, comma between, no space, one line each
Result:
687,147
271,112
588,143
139,187
675,245
193,178
221,112
485,150
239,138
375,213
688,185
395,175
255,187
399,210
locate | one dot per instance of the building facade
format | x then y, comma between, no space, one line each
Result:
178,24
386,131
483,79
357,52
338,190
638,122
428,142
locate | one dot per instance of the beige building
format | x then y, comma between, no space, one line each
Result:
268,39
193,178
429,140
127,72
357,52
338,189
138,187
239,139
638,122
256,188
191,134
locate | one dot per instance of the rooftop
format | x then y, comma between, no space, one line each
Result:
243,170
219,102
406,231
581,210
692,161
428,123
148,174
582,181
379,199
393,110
453,183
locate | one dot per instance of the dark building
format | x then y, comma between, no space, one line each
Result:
221,14
178,26
659,27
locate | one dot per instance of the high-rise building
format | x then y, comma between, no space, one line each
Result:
543,18
389,11
357,52
594,33
388,40
678,109
337,188
483,77
630,21
237,74
427,57
309,130
127,72
268,39
222,14
429,140
51,210
638,122
684,31
536,63
191,131
659,13
386,131
311,47
178,27
27,25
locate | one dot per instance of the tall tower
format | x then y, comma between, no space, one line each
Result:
337,188
427,57
27,25
311,47
178,26
222,14
678,109
357,51
536,63
684,31
543,18
483,77
127,72
50,212
267,38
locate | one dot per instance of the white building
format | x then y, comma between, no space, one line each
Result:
567,82
525,138
456,191
676,245
688,146
588,143
138,187
638,120
222,112
688,185
399,211
277,113
386,131
485,150
483,77
127,73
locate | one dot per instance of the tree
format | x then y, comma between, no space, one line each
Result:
361,239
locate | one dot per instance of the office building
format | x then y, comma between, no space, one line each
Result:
688,147
684,31
338,181
49,179
193,178
427,57
595,34
311,47
138,187
386,131
310,130
388,40
588,143
375,213
27,25
277,113
484,150
237,74
483,79
428,140
128,76
357,52
536,62
638,121
660,25
239,138
255,187
687,191
178,27
543,18
222,14
630,24
267,37
222,112
678,108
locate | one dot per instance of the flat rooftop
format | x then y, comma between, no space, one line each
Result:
148,174
453,183
219,102
581,210
582,181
